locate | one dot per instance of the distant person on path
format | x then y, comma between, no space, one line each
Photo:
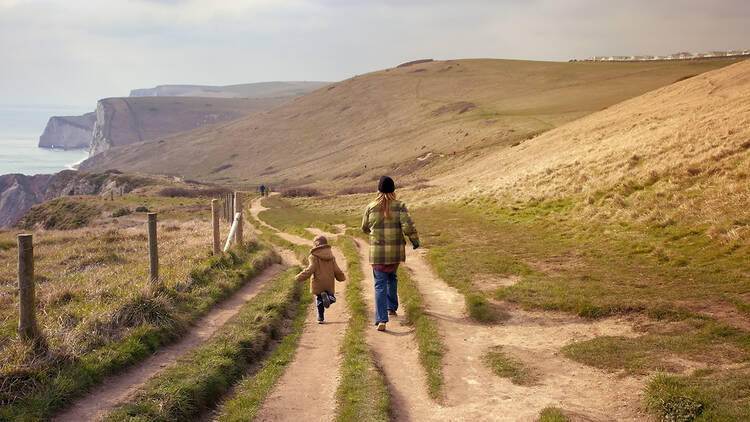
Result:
262,190
323,269
387,220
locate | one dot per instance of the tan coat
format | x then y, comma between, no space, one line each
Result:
323,269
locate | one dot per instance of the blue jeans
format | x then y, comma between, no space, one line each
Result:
321,307
386,294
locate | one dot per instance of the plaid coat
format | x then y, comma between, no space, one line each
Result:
387,236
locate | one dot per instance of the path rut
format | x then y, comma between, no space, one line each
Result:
116,388
307,389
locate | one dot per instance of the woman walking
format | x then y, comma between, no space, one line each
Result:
387,221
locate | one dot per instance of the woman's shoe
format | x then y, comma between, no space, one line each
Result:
392,312
320,320
381,326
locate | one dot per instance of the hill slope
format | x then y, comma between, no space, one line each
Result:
396,115
252,90
682,149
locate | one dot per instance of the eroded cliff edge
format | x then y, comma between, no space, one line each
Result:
68,132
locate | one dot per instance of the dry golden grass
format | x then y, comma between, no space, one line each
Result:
84,276
688,143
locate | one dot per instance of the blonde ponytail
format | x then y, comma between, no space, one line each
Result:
384,204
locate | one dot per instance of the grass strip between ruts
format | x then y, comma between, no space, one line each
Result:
252,391
362,394
430,343
199,378
552,414
215,280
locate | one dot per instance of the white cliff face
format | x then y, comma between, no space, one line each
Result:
68,132
101,133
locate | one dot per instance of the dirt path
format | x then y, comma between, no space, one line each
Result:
117,388
473,392
396,353
307,389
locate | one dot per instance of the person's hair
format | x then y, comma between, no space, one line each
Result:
384,203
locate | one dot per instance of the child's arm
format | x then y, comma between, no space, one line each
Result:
337,272
307,272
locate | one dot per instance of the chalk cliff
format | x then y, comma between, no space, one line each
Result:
124,121
68,132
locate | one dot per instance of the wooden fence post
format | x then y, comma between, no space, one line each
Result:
153,252
112,195
238,210
27,327
215,220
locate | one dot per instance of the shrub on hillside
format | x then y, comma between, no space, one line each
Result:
121,212
211,192
300,192
141,208
61,214
351,190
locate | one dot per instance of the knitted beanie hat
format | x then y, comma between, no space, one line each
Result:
386,185
320,241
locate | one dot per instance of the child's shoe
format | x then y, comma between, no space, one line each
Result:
392,312
331,297
325,299
381,326
320,320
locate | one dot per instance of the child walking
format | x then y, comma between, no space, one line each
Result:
323,269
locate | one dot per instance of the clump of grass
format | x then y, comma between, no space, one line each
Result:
507,367
552,414
430,344
694,338
199,379
362,394
252,391
122,212
61,214
702,396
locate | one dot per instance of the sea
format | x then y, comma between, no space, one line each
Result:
20,129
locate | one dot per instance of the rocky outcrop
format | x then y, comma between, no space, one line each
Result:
18,193
68,132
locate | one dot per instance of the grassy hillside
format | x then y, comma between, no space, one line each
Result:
399,120
251,90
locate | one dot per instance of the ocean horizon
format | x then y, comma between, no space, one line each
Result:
21,125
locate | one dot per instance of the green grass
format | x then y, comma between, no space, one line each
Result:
143,321
507,367
431,348
694,338
250,393
61,214
702,396
287,217
362,394
552,414
198,379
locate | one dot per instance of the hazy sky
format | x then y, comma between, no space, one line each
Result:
77,51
